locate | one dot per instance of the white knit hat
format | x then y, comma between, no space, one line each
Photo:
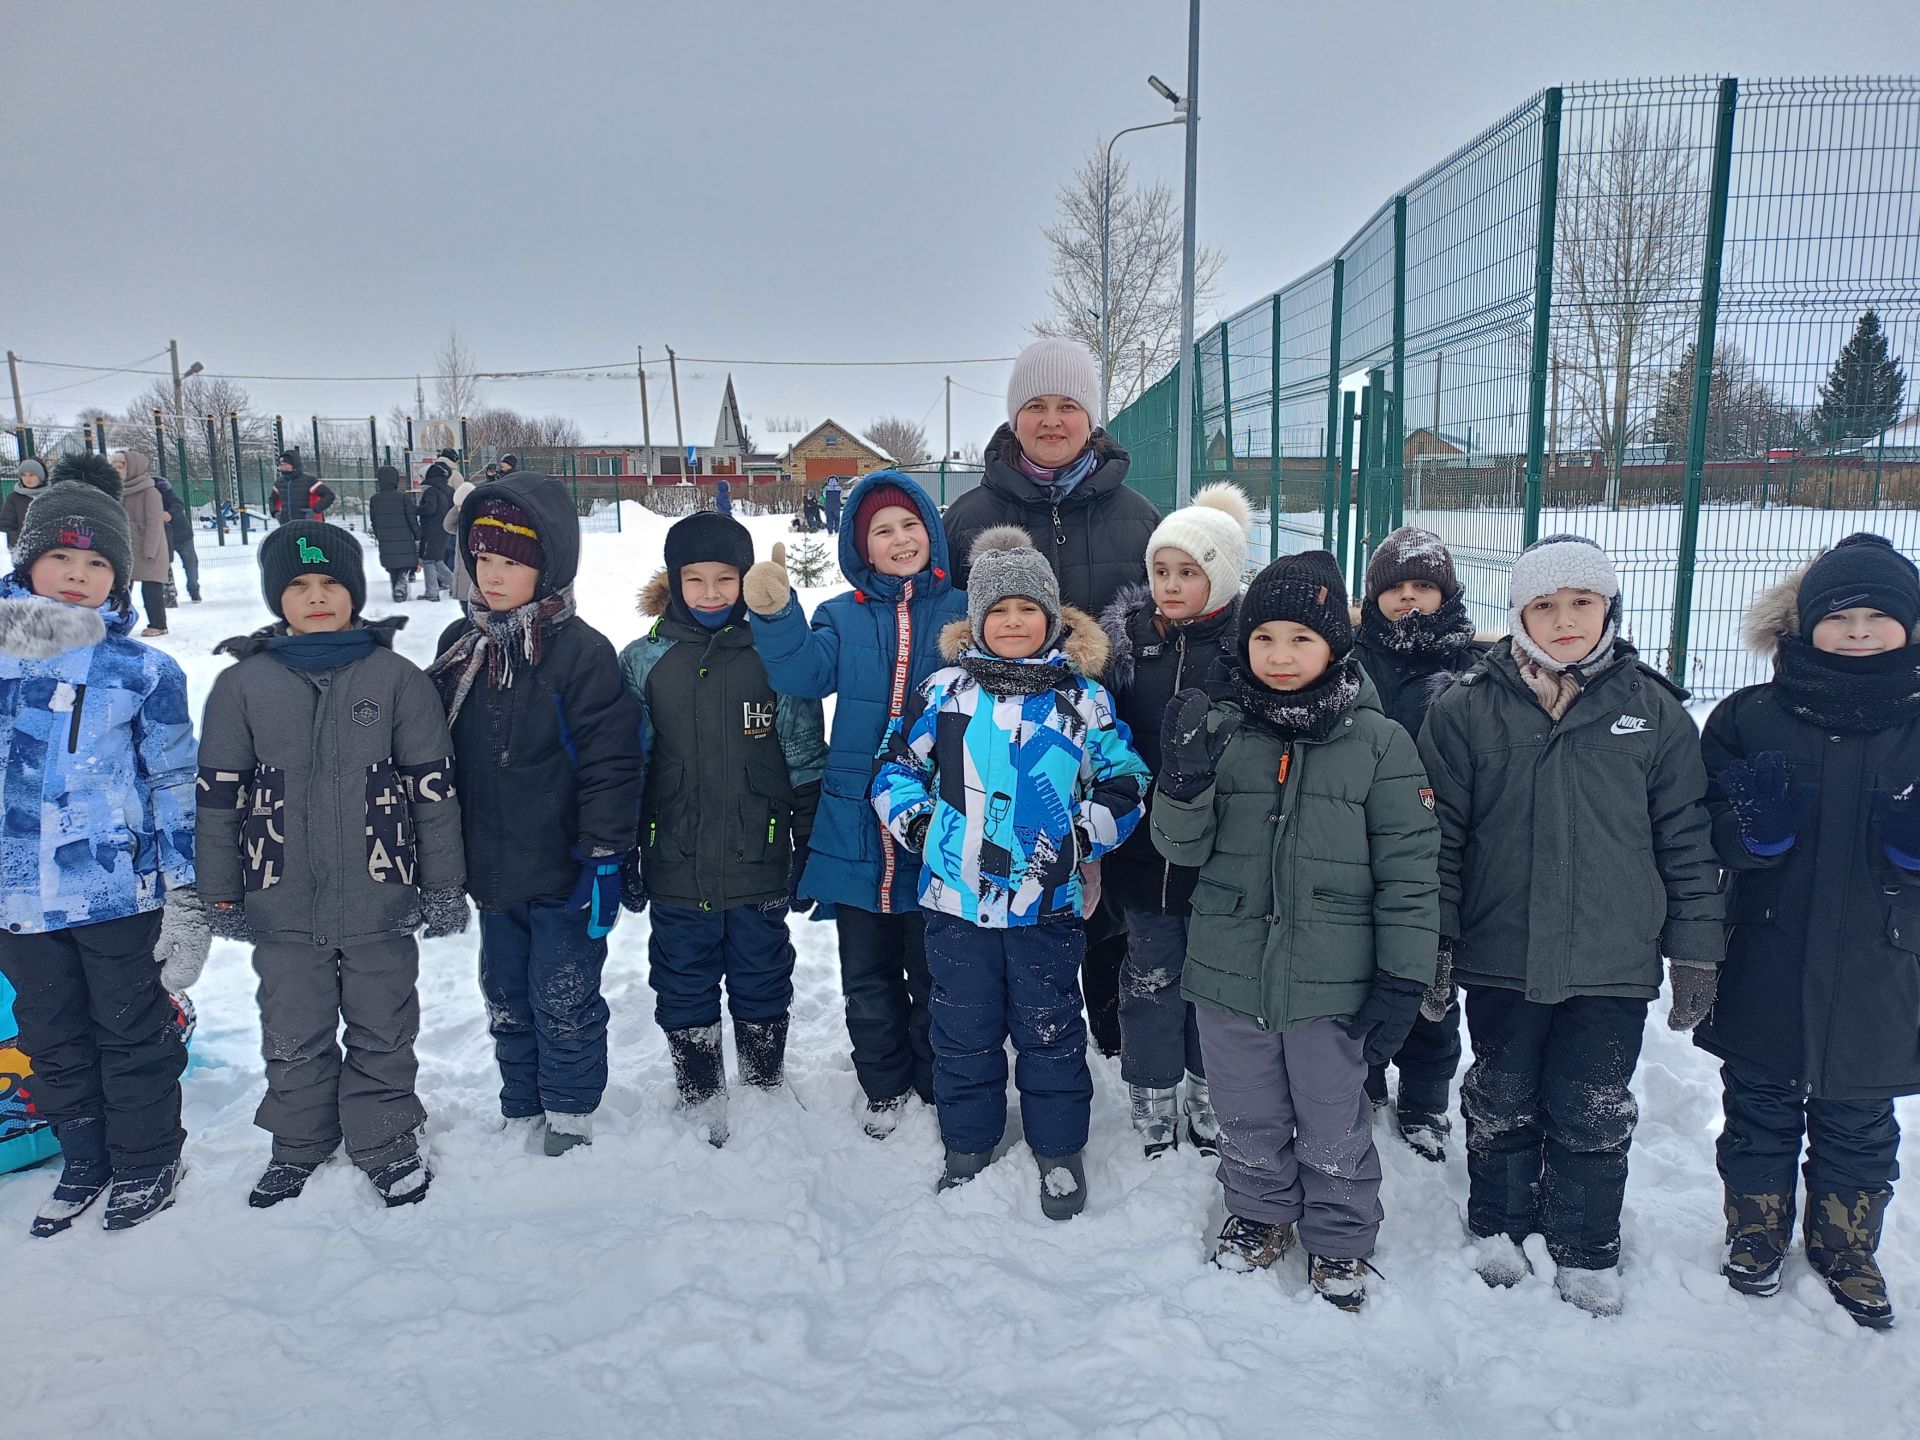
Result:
1215,530
1561,562
1054,366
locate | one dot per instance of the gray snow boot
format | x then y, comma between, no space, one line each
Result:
962,1166
1203,1126
1156,1118
700,1070
566,1132
1063,1185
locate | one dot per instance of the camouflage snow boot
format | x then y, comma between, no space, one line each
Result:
1843,1231
1759,1229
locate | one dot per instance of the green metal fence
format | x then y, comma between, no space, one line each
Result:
1615,312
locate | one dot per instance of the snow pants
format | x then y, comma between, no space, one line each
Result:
1296,1130
1022,982
883,975
692,951
1159,1036
107,1053
1428,1060
399,581
1549,1118
153,603
314,1098
189,558
540,974
1852,1145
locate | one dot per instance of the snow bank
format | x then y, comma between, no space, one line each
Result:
806,1281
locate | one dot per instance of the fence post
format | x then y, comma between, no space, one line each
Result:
1542,313
1702,380
1396,408
1226,404
1344,498
317,470
160,449
239,480
1334,416
213,464
1273,431
1352,558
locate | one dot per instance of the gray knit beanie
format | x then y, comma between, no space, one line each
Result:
1005,564
1054,366
34,466
79,509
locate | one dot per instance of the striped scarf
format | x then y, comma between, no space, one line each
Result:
499,641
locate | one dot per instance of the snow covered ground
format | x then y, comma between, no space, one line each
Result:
807,1282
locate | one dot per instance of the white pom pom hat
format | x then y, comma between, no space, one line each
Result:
1215,530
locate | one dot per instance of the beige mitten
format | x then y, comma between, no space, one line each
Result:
766,586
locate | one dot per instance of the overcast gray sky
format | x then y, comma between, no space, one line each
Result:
323,189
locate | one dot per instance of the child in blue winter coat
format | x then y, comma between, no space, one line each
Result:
871,646
1007,770
98,915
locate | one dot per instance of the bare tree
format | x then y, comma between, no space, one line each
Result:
456,386
905,441
970,453
201,396
1626,267
502,429
1144,268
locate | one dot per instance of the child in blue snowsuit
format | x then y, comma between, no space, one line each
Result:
98,915
871,646
1008,770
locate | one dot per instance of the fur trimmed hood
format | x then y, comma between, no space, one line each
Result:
654,595
1774,613
1082,642
35,629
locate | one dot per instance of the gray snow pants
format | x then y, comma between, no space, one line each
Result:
313,1099
1296,1134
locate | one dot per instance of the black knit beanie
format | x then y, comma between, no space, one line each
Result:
311,547
79,509
704,536
1306,589
1411,553
1861,571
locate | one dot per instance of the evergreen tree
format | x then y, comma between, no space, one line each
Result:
1863,391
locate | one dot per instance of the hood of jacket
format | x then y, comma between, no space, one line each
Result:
1131,610
1004,476
1082,647
242,646
546,501
853,560
139,476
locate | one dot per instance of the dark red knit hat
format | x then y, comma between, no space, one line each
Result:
873,502
500,527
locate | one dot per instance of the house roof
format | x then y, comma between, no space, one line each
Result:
831,424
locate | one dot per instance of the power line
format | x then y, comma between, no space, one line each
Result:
615,371
127,369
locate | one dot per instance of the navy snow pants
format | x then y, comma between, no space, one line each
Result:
541,977
1851,1144
692,951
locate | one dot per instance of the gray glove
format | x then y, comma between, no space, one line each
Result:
1694,989
444,911
185,939
229,922
1433,1006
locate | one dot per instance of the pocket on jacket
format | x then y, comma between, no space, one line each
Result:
1903,924
766,819
1343,908
1215,897
390,840
667,812
263,835
846,827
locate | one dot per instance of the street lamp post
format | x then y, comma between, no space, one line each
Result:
1183,462
1106,247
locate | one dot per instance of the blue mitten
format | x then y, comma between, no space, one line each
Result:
1770,810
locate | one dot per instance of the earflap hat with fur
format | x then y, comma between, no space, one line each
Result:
1561,562
79,509
1006,565
1215,531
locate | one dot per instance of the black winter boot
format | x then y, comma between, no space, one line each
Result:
1063,1185
139,1195
1759,1229
1843,1232
700,1070
282,1180
85,1173
762,1045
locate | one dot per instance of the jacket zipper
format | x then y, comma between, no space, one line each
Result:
73,725
1179,670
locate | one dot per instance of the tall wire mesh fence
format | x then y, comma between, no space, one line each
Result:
1630,310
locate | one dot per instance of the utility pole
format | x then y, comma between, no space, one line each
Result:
947,453
173,350
13,373
646,416
1183,458
419,403
679,437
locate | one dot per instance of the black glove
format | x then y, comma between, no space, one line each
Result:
795,869
229,922
1440,994
917,831
1188,755
1385,1016
1898,817
1770,810
444,912
633,889
1694,988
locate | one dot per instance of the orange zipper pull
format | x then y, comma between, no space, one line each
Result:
1286,763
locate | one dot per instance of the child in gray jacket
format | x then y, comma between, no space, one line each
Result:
330,832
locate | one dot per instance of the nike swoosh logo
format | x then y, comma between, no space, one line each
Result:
1629,725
